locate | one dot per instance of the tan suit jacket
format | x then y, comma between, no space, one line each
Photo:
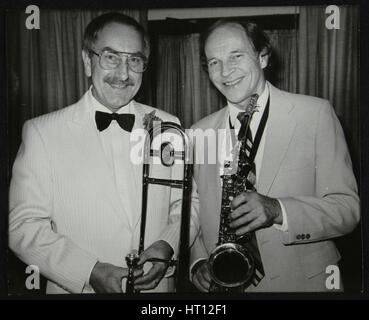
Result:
306,164
65,210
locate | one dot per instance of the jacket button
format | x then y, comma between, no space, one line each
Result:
298,237
308,236
302,236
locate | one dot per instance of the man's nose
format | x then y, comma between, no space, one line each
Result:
122,69
226,69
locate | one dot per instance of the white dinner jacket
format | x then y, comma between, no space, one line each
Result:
307,166
65,211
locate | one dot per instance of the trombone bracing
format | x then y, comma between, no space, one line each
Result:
167,155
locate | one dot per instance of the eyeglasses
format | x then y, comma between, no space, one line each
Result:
110,60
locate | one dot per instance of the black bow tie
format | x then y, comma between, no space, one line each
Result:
125,120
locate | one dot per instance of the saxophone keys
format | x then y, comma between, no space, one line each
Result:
244,238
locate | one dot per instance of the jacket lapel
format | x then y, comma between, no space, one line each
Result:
280,128
94,163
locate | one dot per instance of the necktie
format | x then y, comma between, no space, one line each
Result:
125,120
242,118
250,173
250,168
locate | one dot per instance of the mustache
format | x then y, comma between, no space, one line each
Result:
119,82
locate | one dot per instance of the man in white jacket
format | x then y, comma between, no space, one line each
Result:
306,193
75,194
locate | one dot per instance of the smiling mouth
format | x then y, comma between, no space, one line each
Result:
119,85
232,83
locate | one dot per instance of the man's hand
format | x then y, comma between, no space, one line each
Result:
158,250
201,276
107,278
252,211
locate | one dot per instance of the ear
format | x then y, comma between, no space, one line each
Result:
87,63
264,56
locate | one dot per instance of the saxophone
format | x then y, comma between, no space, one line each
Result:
231,264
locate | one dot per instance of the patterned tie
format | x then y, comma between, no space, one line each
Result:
250,239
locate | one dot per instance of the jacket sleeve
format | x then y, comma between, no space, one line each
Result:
32,235
334,210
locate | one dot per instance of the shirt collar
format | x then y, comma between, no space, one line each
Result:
262,100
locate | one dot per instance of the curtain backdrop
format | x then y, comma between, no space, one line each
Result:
311,60
284,59
183,87
328,66
45,69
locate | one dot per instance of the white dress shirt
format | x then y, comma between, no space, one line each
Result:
115,142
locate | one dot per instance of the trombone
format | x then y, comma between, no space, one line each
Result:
167,155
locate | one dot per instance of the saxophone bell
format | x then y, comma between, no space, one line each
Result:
231,265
